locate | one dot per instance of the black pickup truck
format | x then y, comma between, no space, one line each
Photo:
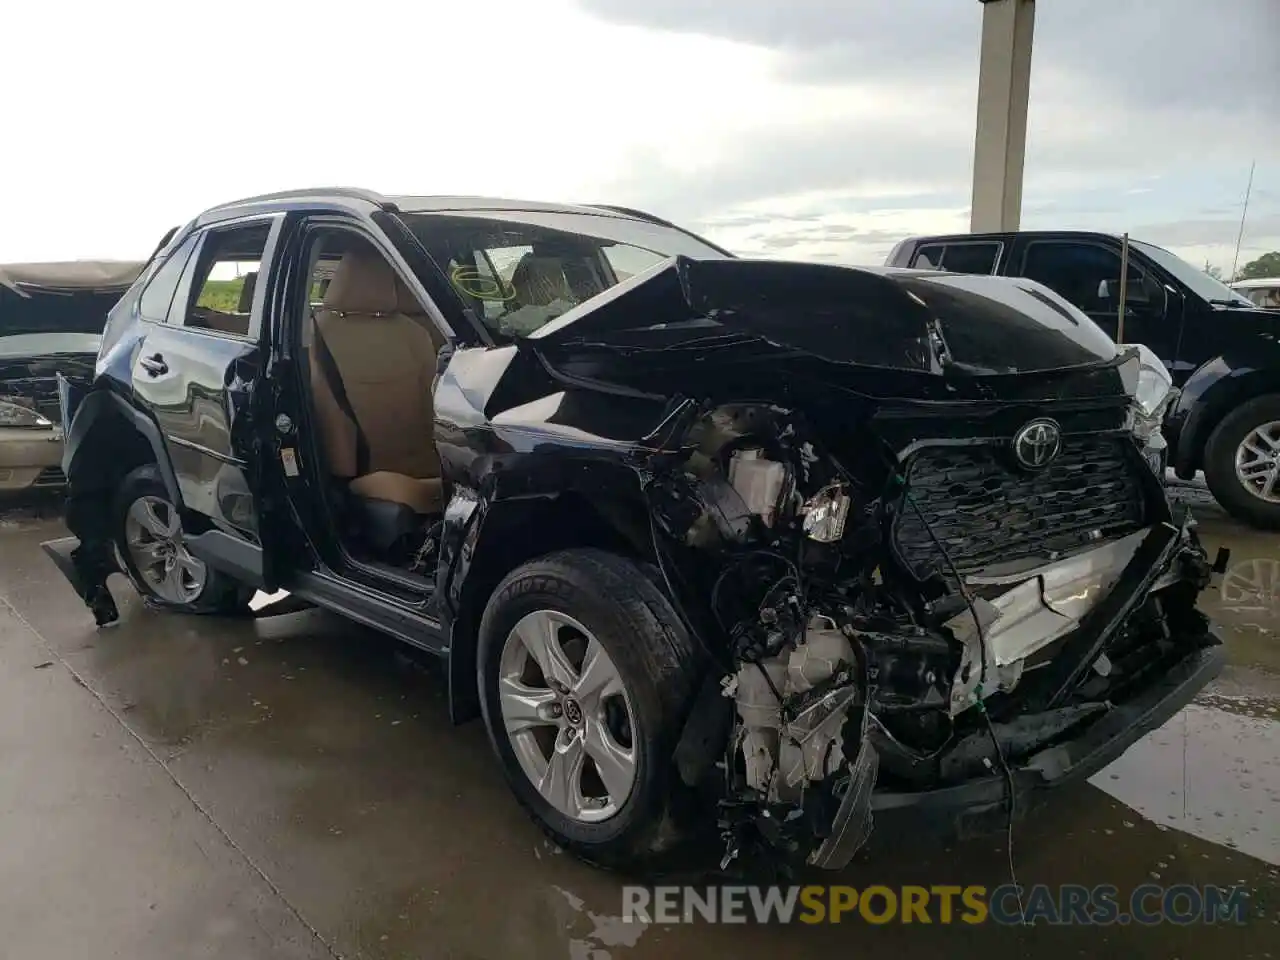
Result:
1222,351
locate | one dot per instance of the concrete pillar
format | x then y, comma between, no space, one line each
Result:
1004,82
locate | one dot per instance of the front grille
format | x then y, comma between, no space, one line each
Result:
986,511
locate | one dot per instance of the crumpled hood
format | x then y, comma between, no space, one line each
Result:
918,321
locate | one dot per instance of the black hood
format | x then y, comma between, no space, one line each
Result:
912,321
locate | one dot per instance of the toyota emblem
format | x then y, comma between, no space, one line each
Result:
1037,444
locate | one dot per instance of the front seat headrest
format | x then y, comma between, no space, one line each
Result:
540,280
363,283
246,292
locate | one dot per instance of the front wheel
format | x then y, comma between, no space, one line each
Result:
155,557
585,672
1242,462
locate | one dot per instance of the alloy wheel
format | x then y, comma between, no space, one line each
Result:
568,716
1258,462
153,536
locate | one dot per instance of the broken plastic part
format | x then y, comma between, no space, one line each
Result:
825,515
758,481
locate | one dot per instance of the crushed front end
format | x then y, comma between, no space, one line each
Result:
929,559
897,632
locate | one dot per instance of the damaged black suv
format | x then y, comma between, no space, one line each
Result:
774,548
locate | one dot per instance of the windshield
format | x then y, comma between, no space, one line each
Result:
519,269
1200,282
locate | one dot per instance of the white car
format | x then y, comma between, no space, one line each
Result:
1264,291
51,320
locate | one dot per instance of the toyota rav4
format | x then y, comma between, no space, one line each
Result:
769,548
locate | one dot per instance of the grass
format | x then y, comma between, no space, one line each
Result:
221,295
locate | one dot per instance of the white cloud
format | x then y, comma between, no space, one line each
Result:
781,127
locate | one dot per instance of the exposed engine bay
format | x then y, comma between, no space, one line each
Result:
848,663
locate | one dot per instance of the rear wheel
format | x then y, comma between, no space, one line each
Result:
154,555
585,673
1242,462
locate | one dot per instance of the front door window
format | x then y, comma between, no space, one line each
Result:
1086,274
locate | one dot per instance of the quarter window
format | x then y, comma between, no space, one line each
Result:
154,303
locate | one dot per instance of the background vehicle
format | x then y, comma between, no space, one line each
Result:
811,521
1222,351
51,320
1262,291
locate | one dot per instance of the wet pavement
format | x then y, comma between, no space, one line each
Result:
291,787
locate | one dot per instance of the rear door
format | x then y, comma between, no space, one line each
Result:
199,361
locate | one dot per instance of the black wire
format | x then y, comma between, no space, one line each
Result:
964,591
769,680
1013,800
982,707
675,599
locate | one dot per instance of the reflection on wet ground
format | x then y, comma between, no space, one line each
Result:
325,754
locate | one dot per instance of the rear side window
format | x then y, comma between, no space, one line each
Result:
928,257
962,257
225,280
156,299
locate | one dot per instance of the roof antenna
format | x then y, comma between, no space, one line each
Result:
1244,212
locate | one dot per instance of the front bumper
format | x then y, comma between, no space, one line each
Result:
980,806
30,458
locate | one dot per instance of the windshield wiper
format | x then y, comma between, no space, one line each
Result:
1241,304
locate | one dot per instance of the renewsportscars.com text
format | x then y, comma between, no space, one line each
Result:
1067,904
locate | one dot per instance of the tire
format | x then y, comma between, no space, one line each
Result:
216,593
615,602
1220,463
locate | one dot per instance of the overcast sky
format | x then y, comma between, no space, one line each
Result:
823,129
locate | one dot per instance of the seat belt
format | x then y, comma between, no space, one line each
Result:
329,367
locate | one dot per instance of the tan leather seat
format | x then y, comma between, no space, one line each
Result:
384,361
540,281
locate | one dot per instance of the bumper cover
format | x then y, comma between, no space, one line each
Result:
29,458
980,806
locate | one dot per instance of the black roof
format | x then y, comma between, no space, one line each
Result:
1001,235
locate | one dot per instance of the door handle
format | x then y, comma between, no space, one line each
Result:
154,365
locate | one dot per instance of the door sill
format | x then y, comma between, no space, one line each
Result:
366,605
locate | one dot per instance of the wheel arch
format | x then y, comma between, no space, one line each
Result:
107,438
1209,396
503,534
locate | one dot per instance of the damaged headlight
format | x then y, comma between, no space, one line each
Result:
825,515
1152,397
15,414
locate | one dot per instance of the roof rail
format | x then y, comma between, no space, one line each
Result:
352,193
631,212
